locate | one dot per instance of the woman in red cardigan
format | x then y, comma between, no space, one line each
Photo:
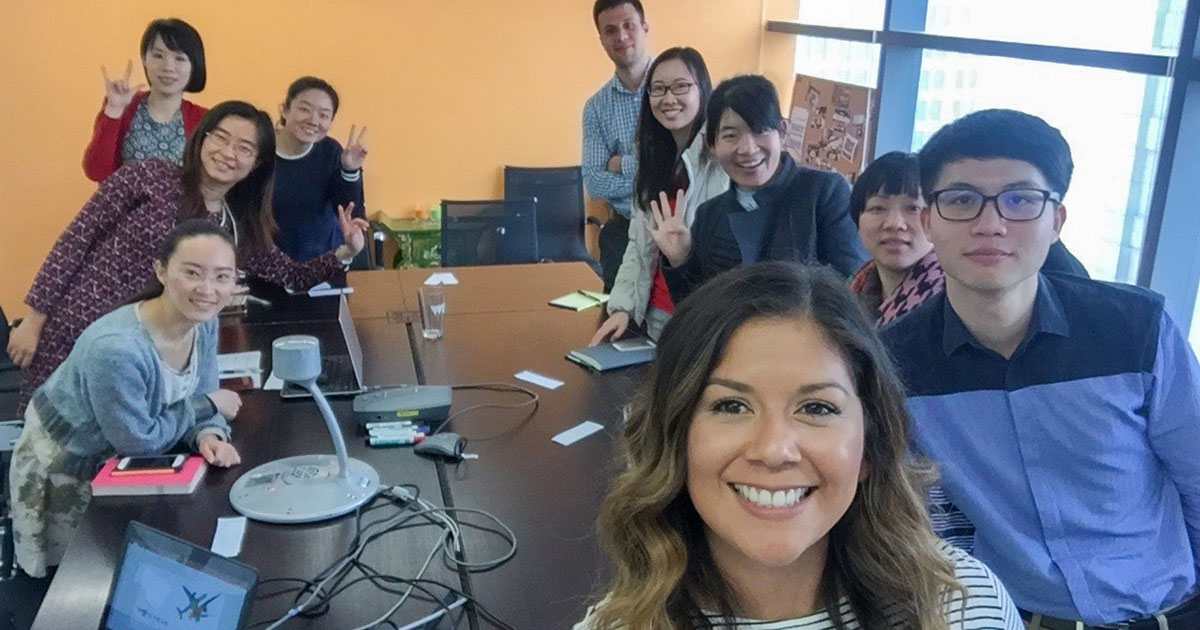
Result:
136,125
106,255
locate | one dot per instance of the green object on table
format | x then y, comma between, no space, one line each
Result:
418,241
580,300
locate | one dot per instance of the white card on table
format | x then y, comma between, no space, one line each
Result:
577,432
227,540
538,379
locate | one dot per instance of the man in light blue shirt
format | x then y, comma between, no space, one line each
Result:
1064,413
610,120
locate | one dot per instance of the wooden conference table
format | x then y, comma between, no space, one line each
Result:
497,324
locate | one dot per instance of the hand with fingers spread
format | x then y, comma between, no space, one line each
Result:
353,231
612,329
355,151
670,234
117,93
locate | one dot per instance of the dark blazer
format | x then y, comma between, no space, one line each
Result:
803,215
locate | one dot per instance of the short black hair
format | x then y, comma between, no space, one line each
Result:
603,5
751,96
999,133
895,173
179,36
303,84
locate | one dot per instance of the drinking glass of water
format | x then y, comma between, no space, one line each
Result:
433,311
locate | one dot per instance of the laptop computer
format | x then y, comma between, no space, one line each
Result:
341,374
165,582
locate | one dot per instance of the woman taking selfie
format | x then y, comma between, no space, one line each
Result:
768,493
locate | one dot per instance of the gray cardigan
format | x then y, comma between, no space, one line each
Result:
107,398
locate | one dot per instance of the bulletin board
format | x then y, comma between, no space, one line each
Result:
829,125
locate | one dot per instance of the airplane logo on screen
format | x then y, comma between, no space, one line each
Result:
195,609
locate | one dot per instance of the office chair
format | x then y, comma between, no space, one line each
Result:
492,232
10,374
561,215
10,429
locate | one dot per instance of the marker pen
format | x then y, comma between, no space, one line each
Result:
389,424
381,440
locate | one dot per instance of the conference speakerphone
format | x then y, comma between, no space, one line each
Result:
422,404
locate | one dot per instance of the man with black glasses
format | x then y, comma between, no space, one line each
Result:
1064,412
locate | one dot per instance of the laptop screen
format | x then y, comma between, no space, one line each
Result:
166,583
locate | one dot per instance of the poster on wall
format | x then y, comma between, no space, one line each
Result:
829,124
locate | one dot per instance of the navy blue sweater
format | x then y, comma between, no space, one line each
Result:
308,191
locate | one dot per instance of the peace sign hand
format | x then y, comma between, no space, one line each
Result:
353,231
672,237
117,93
355,151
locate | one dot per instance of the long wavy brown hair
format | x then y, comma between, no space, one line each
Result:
883,557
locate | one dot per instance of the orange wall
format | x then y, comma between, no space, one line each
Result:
451,90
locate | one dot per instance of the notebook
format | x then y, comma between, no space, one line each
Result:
615,355
165,582
184,481
580,300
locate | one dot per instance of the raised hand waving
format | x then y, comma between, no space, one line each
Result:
117,93
355,151
670,234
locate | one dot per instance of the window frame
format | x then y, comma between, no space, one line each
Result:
1170,259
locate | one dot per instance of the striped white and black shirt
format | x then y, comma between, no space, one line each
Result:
987,607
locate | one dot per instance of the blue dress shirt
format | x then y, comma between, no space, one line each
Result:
610,119
1078,458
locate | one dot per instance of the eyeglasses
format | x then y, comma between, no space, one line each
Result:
1018,204
243,149
678,88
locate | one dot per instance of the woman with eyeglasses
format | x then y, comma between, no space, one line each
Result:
106,254
314,174
136,124
675,169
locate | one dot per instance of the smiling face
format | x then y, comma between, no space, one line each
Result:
168,71
308,117
199,278
674,111
990,254
775,448
230,151
890,228
623,35
750,159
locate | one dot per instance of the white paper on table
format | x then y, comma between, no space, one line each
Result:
538,379
239,363
577,432
227,540
444,277
273,384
